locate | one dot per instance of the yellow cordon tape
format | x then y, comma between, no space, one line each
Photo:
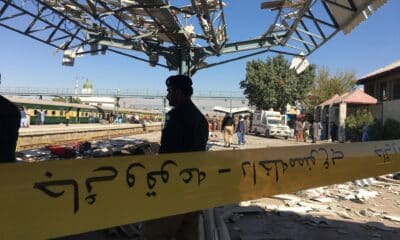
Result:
57,198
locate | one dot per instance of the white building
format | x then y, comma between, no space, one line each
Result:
87,88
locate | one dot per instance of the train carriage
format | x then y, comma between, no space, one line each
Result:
128,114
79,113
55,111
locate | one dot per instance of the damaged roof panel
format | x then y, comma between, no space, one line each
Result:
348,14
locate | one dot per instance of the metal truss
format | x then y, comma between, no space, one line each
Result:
157,28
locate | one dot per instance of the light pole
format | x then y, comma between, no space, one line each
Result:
230,105
116,106
384,98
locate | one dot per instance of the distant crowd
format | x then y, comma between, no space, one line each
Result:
314,130
304,130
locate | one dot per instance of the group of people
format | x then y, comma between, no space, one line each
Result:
40,117
25,121
214,124
305,130
228,126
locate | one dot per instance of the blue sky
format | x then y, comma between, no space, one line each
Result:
25,62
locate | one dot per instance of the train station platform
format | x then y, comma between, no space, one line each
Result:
42,135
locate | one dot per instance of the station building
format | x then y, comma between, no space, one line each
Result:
384,85
381,96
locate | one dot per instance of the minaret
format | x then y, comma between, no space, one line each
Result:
77,85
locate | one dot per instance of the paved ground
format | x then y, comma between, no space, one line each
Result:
217,142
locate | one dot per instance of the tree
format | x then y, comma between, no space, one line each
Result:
355,123
326,86
272,84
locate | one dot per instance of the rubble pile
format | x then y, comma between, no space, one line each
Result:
362,209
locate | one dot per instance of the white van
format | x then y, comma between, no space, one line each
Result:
270,123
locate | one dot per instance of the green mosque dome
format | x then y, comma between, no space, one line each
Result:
87,84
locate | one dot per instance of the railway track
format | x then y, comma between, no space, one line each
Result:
38,139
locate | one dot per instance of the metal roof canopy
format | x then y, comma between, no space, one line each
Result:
158,28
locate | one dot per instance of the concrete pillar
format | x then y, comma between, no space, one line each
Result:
342,123
322,120
117,99
321,114
331,118
316,112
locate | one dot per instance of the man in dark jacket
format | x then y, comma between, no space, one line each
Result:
227,128
241,129
9,125
185,130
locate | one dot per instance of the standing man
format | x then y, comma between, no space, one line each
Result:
38,114
306,130
227,127
42,116
9,125
247,120
67,117
364,137
320,129
299,129
214,123
185,130
334,131
23,117
91,117
315,128
235,123
241,129
28,117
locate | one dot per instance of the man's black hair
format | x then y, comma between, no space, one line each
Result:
182,82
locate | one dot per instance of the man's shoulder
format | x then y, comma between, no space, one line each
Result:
197,116
191,109
197,113
172,111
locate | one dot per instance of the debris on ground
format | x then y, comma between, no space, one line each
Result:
362,209
92,149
